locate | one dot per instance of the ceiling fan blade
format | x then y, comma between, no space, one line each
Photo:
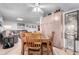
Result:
48,6
45,6
42,6
30,5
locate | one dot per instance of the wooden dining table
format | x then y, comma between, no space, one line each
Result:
43,40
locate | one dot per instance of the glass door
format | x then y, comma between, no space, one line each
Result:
70,30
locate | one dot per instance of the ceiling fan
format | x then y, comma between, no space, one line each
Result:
37,7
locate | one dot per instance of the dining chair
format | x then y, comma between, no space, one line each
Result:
28,36
34,46
49,44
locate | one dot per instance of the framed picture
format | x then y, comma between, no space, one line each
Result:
29,26
26,25
32,26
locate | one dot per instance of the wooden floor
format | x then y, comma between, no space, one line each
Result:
16,50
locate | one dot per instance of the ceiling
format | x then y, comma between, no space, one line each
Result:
11,11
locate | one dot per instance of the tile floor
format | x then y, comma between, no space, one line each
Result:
16,50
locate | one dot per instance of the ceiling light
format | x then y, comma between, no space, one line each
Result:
20,19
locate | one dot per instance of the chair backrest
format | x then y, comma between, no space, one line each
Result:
36,35
31,39
33,43
22,35
28,36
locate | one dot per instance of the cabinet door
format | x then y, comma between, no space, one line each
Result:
70,29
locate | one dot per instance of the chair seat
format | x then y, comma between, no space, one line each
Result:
34,53
34,48
37,42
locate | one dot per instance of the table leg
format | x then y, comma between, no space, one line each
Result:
22,51
48,48
51,48
41,49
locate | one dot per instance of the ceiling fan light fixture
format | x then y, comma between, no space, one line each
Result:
37,9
